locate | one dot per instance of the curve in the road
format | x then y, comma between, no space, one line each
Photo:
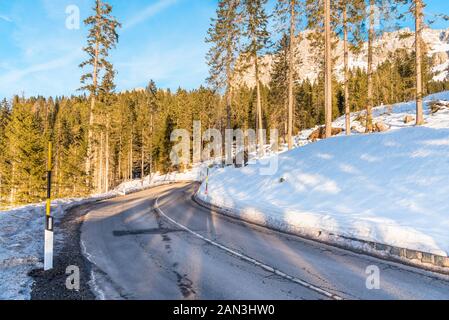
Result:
160,244
246,258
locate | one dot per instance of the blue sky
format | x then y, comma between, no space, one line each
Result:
160,39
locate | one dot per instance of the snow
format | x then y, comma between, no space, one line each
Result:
197,173
389,188
22,231
441,72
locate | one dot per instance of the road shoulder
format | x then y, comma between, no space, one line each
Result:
51,285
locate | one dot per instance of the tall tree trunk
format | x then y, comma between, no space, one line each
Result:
259,108
328,68
106,183
228,94
91,111
371,35
57,169
12,194
285,120
142,158
151,143
418,43
100,168
291,66
228,155
131,156
120,158
346,62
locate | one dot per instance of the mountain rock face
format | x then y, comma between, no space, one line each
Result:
309,59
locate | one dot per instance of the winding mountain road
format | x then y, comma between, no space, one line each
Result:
160,244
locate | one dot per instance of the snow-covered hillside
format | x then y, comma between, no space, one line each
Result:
388,188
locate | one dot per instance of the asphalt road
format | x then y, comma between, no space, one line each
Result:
183,251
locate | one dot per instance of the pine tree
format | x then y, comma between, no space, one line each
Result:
147,110
350,22
278,96
101,39
224,34
371,39
255,29
328,68
346,67
4,174
383,10
319,20
107,99
288,12
418,4
26,153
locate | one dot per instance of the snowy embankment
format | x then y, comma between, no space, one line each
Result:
22,231
390,188
197,173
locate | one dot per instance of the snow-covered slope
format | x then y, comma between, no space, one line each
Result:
388,188
436,41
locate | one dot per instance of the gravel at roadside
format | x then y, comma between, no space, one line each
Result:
51,285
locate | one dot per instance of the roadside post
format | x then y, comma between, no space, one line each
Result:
48,248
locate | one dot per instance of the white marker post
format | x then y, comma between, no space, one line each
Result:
48,250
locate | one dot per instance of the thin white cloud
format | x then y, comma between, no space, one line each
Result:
148,12
5,18
18,74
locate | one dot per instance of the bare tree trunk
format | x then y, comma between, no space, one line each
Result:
58,170
259,108
346,62
120,158
100,170
142,159
106,183
369,107
12,195
151,144
328,69
228,95
91,110
285,121
291,66
418,43
131,156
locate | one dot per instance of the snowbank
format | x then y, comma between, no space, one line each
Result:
197,173
22,231
389,188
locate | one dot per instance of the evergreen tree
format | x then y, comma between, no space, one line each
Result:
153,107
418,6
224,34
383,10
320,20
290,10
255,29
4,175
350,24
279,91
101,39
26,154
328,68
